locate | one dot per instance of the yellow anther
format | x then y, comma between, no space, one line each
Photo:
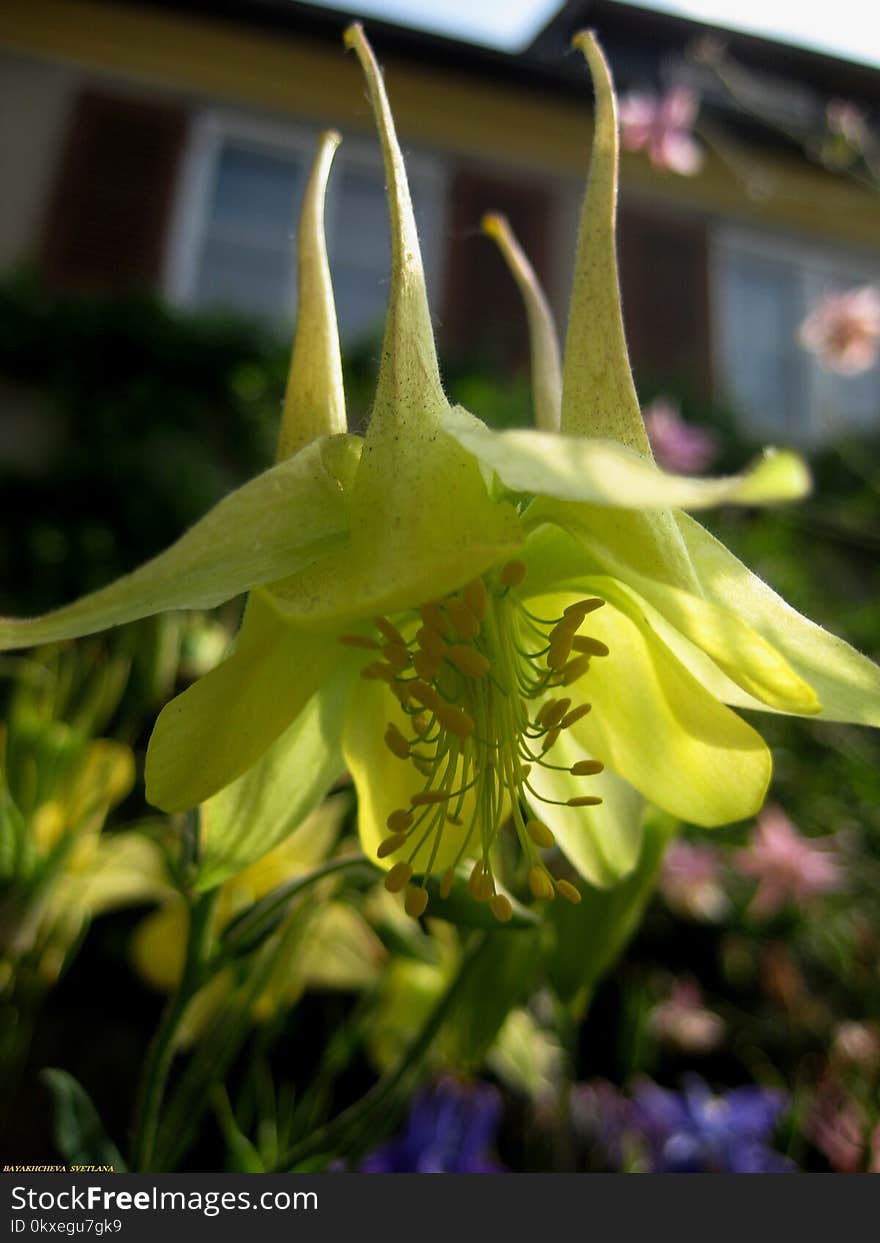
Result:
480,882
427,665
584,800
396,655
560,648
512,574
575,613
425,695
396,743
455,720
575,669
447,882
553,712
398,877
550,740
431,642
421,723
378,671
468,660
359,640
541,718
390,845
399,821
540,834
432,615
586,768
425,798
401,691
524,770
593,647
467,625
567,890
576,714
475,597
540,882
416,901
390,631
501,908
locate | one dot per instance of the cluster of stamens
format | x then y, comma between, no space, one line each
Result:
477,676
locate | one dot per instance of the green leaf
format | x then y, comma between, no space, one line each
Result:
605,472
252,927
77,1130
501,979
589,938
272,526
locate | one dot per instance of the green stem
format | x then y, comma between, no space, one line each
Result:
327,1137
161,1053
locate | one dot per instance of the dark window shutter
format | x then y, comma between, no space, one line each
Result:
109,213
483,310
664,284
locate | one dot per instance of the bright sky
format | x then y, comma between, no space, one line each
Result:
846,28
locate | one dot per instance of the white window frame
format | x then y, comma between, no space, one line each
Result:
810,256
212,129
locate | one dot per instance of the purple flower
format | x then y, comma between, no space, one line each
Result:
661,126
678,446
694,1131
449,1130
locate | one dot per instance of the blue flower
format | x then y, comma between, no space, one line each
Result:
449,1130
696,1131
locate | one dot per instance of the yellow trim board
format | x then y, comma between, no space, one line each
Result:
308,79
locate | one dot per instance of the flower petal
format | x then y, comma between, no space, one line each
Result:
598,394
656,726
546,364
422,520
847,683
243,821
690,625
604,472
385,783
602,842
272,526
314,403
221,725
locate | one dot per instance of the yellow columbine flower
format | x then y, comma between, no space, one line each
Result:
475,623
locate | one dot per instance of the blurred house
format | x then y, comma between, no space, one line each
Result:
165,144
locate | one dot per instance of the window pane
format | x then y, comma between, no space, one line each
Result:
247,257
763,367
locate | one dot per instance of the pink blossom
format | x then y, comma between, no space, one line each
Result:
682,1020
843,330
690,881
787,866
858,1044
845,119
661,126
837,1126
678,446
